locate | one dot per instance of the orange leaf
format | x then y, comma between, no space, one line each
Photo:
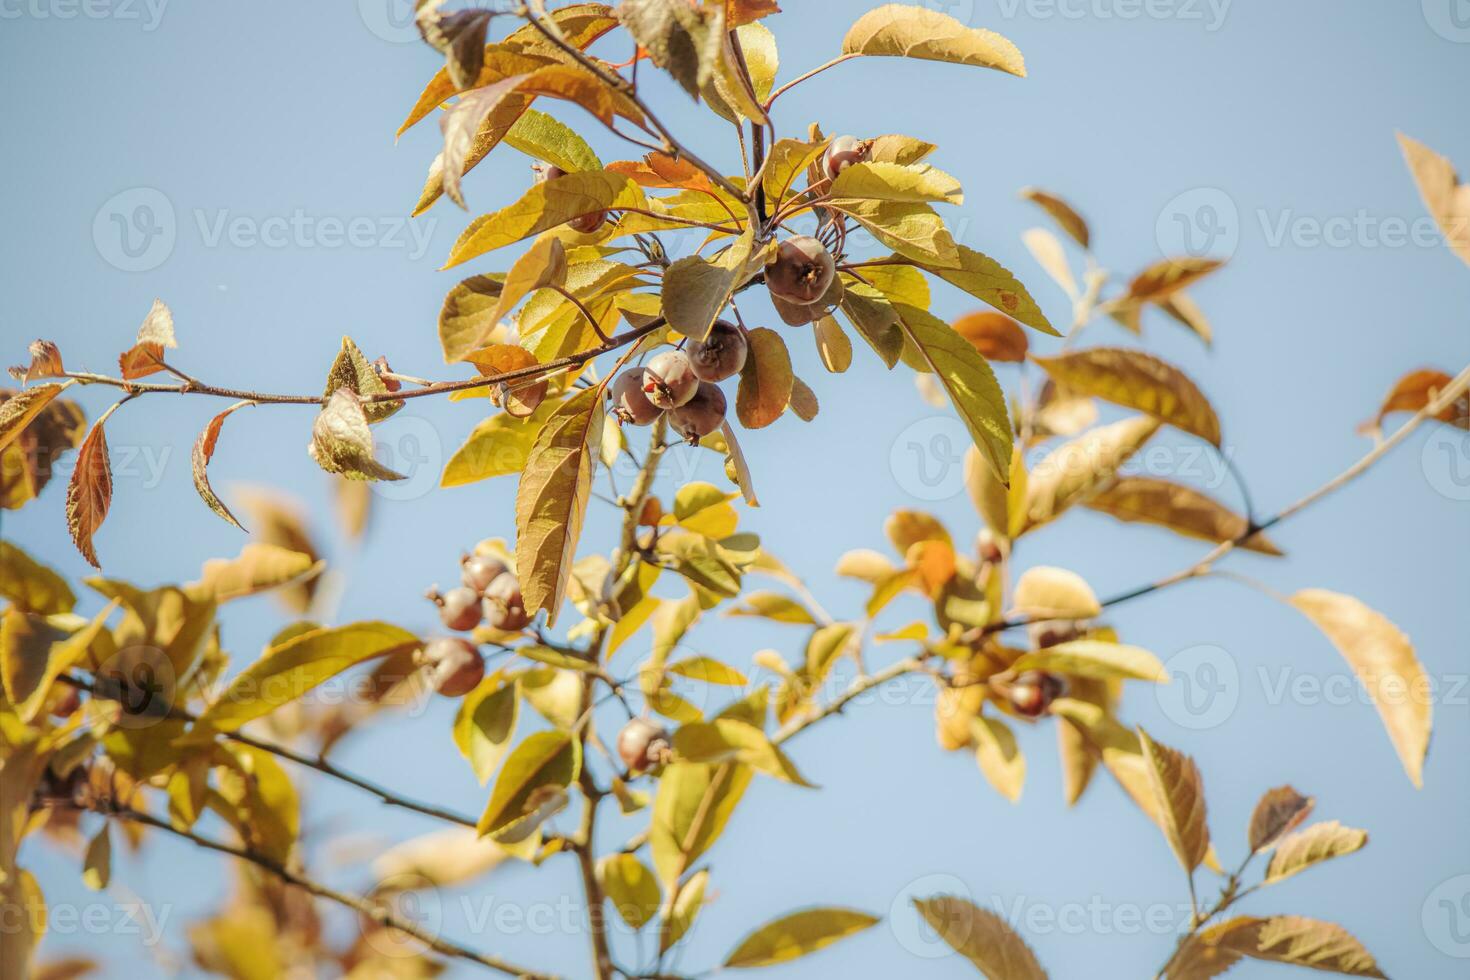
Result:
89,494
995,335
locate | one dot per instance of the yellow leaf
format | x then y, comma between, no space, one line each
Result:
787,160
443,859
683,910
1447,199
1181,509
1047,250
1136,380
833,345
986,279
1163,279
32,586
797,934
897,30
765,381
916,183
17,411
259,568
912,229
729,740
996,336
1306,848
1179,794
552,501
1055,593
1289,939
543,207
543,264
697,290
631,888
342,442
692,806
486,723
545,760
999,757
293,668
981,937
1097,660
97,864
969,382
1385,663
1078,470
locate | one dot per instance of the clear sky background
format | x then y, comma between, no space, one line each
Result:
1276,115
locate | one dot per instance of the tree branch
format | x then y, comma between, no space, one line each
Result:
363,906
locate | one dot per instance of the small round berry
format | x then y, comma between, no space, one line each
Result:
802,272
505,608
455,666
669,380
642,745
69,702
721,355
627,401
547,171
843,152
702,415
588,223
988,547
1032,693
459,609
478,571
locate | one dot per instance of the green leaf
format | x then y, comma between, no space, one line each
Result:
544,760
912,229
547,138
1096,659
1139,381
1307,848
685,824
986,279
873,316
498,446
467,316
696,290
291,669
630,886
352,370
901,31
97,864
969,382
32,586
486,724
981,937
552,502
796,935
892,182
683,910
730,740
543,207
342,443
786,162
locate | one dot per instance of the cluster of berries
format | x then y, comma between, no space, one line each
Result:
684,383
488,593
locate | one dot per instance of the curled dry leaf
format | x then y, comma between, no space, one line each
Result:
520,399
353,371
1415,392
981,937
1163,279
45,363
18,411
202,453
342,442
1139,381
89,494
996,336
155,335
1385,663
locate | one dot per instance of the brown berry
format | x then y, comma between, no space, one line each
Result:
478,571
669,380
721,355
1032,693
843,152
459,609
642,745
504,607
988,547
704,413
1053,632
802,272
69,702
628,402
455,666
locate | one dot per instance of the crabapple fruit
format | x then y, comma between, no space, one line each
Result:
478,571
721,355
459,609
704,413
629,404
587,223
505,608
455,666
802,272
669,380
843,152
1034,691
643,745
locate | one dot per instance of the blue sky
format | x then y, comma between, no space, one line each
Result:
258,138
